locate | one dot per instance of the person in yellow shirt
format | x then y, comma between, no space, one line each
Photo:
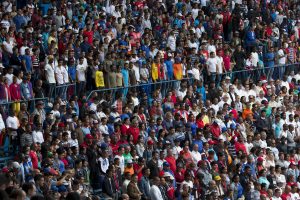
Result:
52,38
154,71
99,78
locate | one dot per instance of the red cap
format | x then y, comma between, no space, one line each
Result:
150,142
260,159
89,136
200,162
211,142
5,170
61,124
292,163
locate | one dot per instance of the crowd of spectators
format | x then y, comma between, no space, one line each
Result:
205,99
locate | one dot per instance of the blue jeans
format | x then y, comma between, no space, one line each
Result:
51,90
212,77
62,91
270,73
80,87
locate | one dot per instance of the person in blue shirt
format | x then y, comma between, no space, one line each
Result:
198,141
201,90
178,21
19,20
125,74
249,164
27,62
250,38
237,187
179,5
85,46
72,70
270,62
123,43
146,47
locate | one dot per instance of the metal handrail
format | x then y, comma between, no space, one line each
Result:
188,79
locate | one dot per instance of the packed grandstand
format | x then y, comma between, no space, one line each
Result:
150,99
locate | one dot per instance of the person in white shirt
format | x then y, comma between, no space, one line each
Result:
199,30
59,74
172,41
277,194
126,182
9,75
73,142
2,125
24,47
81,75
12,124
196,156
4,22
66,81
212,66
155,193
37,134
147,22
103,127
50,76
254,58
7,5
62,78
8,44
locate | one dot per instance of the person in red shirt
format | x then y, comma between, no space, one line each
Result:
88,141
171,160
240,146
138,167
215,130
286,195
34,157
179,174
134,131
89,33
125,126
114,145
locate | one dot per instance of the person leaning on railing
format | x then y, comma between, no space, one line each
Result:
15,93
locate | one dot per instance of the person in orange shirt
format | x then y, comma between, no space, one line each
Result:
247,111
129,167
178,72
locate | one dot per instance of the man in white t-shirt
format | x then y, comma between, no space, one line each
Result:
2,125
12,123
8,44
50,76
212,66
60,73
37,134
80,71
5,21
9,75
220,67
281,61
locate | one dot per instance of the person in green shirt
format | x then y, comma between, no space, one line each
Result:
127,156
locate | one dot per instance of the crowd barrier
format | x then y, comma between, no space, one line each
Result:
256,74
